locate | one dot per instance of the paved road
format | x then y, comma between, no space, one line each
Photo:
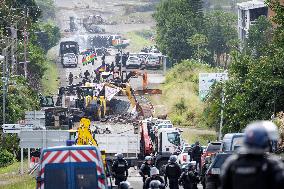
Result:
109,8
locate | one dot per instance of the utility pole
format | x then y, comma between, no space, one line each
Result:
26,38
222,114
4,81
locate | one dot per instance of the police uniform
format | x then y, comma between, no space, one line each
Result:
120,170
246,171
173,172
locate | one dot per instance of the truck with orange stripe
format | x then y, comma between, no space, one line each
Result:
71,167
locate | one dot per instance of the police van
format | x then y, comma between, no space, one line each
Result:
71,167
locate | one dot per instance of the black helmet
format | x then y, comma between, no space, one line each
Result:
125,185
155,184
173,159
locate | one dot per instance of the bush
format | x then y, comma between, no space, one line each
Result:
6,158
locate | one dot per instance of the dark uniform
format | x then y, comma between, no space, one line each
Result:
120,170
246,171
253,167
189,179
156,177
173,172
145,171
196,154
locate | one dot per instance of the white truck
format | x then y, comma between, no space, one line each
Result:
69,60
134,146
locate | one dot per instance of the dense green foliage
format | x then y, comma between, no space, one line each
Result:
221,33
6,158
22,93
256,86
178,21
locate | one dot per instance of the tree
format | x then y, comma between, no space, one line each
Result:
199,42
176,22
259,36
220,30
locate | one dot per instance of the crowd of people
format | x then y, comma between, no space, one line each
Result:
252,166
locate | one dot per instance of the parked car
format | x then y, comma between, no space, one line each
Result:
232,141
153,62
183,157
212,180
211,149
133,61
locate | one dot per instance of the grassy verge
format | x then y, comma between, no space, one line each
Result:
50,79
11,179
138,40
180,98
203,136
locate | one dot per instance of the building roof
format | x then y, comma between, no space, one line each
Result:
254,4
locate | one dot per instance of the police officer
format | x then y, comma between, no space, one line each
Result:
252,167
120,169
173,172
189,178
196,154
145,168
204,170
154,175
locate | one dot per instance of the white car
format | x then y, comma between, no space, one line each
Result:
69,59
153,62
133,61
183,157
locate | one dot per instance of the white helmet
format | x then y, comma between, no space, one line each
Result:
154,171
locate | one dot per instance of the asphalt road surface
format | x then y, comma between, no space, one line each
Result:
108,9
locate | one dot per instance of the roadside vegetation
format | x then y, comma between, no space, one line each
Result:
22,94
139,40
11,179
180,92
255,88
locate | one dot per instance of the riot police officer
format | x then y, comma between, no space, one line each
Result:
189,178
154,175
120,169
173,172
252,167
145,168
